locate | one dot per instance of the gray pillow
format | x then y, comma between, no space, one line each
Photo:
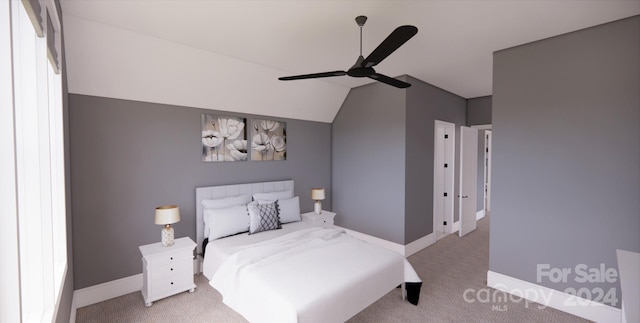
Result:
263,217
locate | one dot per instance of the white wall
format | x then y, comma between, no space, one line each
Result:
112,62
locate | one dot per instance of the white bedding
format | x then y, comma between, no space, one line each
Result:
302,274
219,250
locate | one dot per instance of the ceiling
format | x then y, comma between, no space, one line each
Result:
452,50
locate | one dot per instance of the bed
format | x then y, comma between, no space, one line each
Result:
297,273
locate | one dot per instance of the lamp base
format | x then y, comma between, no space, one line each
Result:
167,236
317,207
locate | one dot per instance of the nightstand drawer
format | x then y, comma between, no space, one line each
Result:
324,219
170,257
321,222
179,268
170,284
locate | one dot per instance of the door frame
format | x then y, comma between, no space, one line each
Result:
440,180
486,181
487,172
468,184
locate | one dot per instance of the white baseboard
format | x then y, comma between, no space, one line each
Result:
112,289
72,315
375,240
419,244
581,307
102,292
479,215
405,250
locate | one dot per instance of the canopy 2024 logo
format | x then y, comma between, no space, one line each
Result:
582,273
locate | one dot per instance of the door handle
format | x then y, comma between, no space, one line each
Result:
465,196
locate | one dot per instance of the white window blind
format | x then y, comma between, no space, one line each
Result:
38,168
10,269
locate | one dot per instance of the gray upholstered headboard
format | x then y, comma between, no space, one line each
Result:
216,192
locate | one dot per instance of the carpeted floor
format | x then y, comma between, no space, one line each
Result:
448,268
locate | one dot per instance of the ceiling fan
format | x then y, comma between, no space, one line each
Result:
364,66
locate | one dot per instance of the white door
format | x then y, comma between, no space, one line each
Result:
438,181
443,177
468,179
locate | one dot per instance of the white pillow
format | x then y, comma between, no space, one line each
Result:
222,203
272,196
254,214
226,222
226,202
289,209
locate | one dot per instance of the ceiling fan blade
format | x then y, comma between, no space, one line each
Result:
398,37
389,80
312,76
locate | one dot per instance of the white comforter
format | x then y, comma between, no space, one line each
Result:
310,275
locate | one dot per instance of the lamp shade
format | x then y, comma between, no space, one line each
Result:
317,194
167,214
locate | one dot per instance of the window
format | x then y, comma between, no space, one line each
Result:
33,178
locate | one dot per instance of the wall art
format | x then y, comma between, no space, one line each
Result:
223,138
268,140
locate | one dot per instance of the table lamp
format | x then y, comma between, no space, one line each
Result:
317,194
167,215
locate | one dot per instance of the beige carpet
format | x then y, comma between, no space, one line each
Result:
447,268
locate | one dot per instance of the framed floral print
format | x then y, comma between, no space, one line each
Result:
223,138
268,140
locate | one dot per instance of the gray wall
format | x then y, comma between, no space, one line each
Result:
383,158
66,297
368,140
566,153
128,157
426,103
479,111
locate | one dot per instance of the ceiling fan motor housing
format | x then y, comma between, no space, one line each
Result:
361,71
357,70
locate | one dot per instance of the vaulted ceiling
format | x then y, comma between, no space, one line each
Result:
227,55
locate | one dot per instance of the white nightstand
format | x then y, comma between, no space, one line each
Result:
167,270
324,219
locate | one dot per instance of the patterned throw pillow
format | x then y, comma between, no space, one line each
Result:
263,217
